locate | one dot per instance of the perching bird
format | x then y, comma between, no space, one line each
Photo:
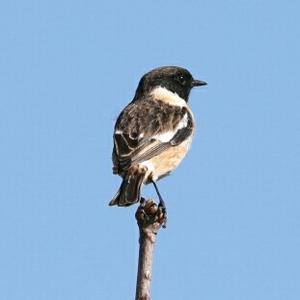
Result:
154,132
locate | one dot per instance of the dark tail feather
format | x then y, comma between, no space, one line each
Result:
129,191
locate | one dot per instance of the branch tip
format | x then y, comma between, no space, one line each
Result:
150,218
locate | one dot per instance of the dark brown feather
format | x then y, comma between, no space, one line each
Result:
136,126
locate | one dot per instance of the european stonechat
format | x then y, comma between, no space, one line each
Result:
154,132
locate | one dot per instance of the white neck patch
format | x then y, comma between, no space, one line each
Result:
163,94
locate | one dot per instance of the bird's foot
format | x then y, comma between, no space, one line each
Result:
150,213
142,201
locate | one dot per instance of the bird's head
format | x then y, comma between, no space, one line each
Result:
174,79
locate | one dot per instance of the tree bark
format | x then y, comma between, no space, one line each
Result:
150,217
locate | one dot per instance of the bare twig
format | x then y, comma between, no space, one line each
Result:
150,218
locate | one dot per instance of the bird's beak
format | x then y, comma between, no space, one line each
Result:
196,82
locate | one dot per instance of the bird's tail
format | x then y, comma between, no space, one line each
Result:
129,191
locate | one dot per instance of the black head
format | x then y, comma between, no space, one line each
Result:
175,79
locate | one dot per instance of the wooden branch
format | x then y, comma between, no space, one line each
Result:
150,218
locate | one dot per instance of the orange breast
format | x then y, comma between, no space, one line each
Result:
167,161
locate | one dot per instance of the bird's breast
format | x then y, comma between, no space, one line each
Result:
164,163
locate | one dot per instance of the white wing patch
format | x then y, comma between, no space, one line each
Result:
183,123
164,137
168,135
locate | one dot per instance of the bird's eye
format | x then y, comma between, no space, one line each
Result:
181,79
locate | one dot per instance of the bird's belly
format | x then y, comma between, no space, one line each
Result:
164,163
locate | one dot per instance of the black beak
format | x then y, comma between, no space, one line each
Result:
196,82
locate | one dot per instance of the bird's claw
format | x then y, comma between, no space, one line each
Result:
149,213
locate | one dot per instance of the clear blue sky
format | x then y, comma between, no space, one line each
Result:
66,70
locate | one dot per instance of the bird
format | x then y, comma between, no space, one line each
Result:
153,133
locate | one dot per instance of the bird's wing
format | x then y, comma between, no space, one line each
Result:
144,138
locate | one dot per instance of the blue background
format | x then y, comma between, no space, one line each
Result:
66,70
